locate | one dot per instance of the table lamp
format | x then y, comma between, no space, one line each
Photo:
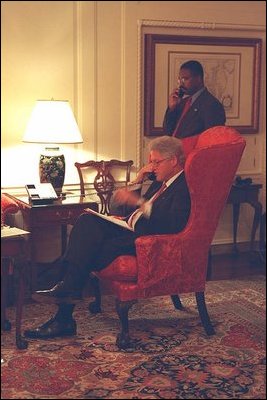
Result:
52,122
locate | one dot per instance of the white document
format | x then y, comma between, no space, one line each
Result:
110,218
7,231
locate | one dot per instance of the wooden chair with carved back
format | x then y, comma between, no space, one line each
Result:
107,177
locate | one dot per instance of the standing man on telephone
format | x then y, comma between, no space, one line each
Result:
192,109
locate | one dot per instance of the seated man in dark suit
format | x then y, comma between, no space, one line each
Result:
192,109
95,242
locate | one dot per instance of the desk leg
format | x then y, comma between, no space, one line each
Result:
5,324
20,343
32,274
256,220
63,238
236,210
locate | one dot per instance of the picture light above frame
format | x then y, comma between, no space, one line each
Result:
231,72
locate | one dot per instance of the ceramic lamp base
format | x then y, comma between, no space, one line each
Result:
52,168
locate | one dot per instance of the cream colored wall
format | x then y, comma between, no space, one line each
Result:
89,53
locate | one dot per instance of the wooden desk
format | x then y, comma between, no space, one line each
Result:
246,194
12,246
60,213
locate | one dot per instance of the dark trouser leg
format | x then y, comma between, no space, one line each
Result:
64,312
87,242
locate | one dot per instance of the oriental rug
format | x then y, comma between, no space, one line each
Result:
171,357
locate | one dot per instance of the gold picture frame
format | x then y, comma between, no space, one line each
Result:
232,74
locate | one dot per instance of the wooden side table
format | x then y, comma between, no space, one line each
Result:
60,213
246,194
13,245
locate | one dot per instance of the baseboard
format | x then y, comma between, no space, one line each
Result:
228,248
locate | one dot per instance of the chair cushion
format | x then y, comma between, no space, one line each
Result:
124,269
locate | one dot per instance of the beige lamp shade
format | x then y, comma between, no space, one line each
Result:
52,121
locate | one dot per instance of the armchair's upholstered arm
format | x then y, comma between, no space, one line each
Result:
158,259
8,206
175,262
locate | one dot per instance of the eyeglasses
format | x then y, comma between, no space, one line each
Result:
156,163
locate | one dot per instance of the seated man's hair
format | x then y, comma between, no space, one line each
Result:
168,146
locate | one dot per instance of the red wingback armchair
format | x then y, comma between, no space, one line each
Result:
172,264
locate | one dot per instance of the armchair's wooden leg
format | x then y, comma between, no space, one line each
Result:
177,302
95,306
122,308
203,313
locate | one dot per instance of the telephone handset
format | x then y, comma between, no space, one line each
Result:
41,193
152,176
180,92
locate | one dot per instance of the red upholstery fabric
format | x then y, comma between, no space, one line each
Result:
8,206
189,143
177,263
124,269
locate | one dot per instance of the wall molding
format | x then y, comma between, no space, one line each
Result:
123,81
77,62
200,25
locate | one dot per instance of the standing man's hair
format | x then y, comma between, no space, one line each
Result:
194,67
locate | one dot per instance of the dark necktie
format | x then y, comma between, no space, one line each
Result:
185,109
158,193
153,198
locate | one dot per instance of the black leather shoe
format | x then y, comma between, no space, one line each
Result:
61,292
52,329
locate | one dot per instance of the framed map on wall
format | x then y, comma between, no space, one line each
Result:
231,73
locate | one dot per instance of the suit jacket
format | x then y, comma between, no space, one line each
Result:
170,213
205,112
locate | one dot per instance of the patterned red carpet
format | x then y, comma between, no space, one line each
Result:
171,358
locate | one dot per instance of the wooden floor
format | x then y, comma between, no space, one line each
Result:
227,264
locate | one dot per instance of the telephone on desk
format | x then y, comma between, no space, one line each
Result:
41,194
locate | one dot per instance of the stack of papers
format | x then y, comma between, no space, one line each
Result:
7,232
110,218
